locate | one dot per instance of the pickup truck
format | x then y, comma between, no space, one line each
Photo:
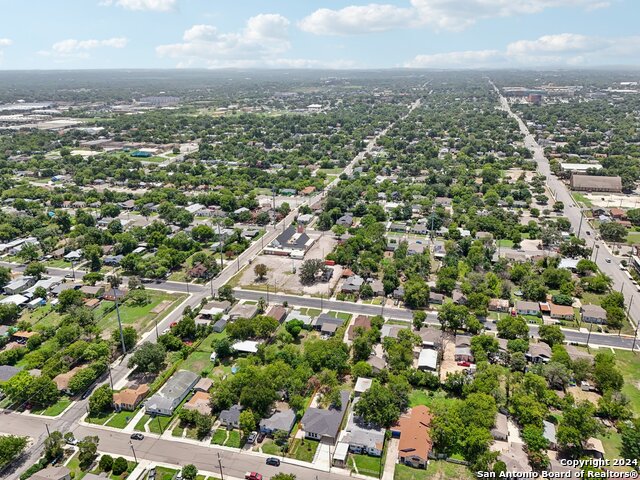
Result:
253,476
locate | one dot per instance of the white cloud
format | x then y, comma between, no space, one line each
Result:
81,48
548,50
438,14
5,42
357,19
141,5
263,38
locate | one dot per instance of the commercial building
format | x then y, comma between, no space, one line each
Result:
595,183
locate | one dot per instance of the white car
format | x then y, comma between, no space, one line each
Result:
165,331
608,260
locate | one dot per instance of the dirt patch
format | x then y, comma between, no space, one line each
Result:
161,307
448,364
581,395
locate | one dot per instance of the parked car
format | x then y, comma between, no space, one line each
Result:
273,461
152,474
71,441
261,437
464,364
608,260
253,476
137,436
252,438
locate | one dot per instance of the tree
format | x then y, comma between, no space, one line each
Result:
613,232
557,375
416,292
294,327
283,476
120,465
11,447
35,269
29,252
189,472
551,335
88,448
378,405
615,317
453,317
225,292
630,441
5,276
247,422
106,463
260,270
419,317
93,253
9,313
53,446
605,373
149,357
68,299
512,328
100,400
130,335
309,270
578,423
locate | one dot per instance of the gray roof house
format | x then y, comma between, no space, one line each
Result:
320,423
231,417
363,437
322,322
593,314
550,434
165,401
243,310
7,372
352,284
282,420
500,431
53,473
538,352
292,241
345,220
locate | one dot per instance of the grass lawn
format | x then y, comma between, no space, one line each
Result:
139,316
629,364
198,362
121,419
58,263
423,397
159,424
192,433
233,440
633,238
57,408
163,473
436,469
271,448
40,317
311,312
366,465
304,452
504,243
344,316
99,419
74,466
177,431
219,437
580,198
612,442
142,422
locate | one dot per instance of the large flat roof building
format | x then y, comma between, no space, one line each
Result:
596,183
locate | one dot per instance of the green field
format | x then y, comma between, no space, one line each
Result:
159,424
437,469
121,419
163,473
139,316
234,439
303,451
142,422
580,198
55,409
633,238
100,419
219,437
271,448
629,364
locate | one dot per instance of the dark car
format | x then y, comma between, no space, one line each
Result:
137,436
273,461
261,436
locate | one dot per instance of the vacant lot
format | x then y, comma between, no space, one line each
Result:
437,469
280,276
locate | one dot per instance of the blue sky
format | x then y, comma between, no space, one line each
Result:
69,34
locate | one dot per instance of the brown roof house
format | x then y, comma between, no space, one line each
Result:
361,321
199,402
130,398
415,439
278,312
62,380
561,312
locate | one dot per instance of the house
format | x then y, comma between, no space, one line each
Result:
391,330
199,402
415,440
7,372
458,297
431,338
306,320
524,307
596,183
561,312
220,325
52,473
463,341
352,284
278,312
308,190
363,438
436,298
167,399
569,263
231,418
500,430
345,220
129,398
498,305
398,293
305,218
549,433
593,447
281,420
92,291
576,354
246,346
115,293
214,308
15,299
362,385
428,360
203,385
593,314
324,423
538,353
463,354
378,364
19,285
293,242
325,319
378,287
62,380
243,310
361,321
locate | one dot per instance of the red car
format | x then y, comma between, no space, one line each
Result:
464,364
173,324
253,476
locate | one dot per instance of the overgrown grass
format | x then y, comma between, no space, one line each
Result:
234,439
366,465
57,408
303,451
629,364
159,424
437,469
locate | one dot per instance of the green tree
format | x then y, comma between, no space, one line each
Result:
11,447
5,276
148,357
189,472
630,442
247,422
605,373
512,328
88,449
93,253
120,465
53,446
419,317
35,269
613,232
578,423
551,335
294,327
106,463
260,270
101,400
309,270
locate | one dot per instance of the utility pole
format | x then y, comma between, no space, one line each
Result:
73,272
597,250
589,336
220,465
220,246
157,334
580,226
134,452
635,337
109,369
115,297
49,433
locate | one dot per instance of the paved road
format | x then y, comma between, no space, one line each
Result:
235,463
573,212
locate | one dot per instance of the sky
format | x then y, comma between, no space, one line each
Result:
453,34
